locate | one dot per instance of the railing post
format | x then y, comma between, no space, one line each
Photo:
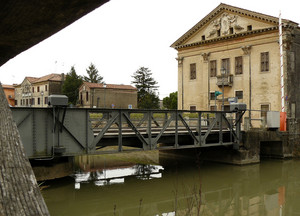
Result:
220,116
238,116
86,131
120,132
199,128
176,129
150,113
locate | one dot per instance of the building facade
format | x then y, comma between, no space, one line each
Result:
34,92
9,91
236,52
96,95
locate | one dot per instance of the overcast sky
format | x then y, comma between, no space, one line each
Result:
124,35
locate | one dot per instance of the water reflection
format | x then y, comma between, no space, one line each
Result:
269,188
117,176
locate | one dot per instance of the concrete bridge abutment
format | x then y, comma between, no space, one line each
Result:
256,144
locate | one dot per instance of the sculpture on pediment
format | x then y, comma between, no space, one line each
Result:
224,24
216,27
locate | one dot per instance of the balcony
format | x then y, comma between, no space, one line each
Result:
227,80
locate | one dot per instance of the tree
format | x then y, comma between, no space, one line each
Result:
149,101
146,87
170,102
93,75
71,86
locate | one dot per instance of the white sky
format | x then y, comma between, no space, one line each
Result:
123,35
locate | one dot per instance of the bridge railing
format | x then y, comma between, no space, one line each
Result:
50,132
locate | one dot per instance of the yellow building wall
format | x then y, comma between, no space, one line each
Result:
265,86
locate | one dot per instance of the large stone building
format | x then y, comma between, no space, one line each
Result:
96,95
244,45
34,91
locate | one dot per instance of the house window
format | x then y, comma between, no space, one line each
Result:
87,96
249,28
213,68
38,89
46,88
46,100
16,102
230,30
193,71
212,96
26,102
192,108
226,107
203,37
226,65
39,101
238,65
264,109
239,94
32,89
219,33
264,61
213,108
32,101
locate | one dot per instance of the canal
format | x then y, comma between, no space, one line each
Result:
100,187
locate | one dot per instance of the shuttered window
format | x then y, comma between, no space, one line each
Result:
213,68
193,71
264,59
226,65
238,65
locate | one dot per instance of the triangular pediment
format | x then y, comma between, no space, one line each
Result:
226,20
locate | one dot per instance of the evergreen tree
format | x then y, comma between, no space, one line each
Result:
149,101
93,75
71,86
170,102
146,87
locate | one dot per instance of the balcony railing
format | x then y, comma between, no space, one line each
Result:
227,80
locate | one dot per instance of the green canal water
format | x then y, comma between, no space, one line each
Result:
269,188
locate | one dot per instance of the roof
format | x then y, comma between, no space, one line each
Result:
109,86
240,11
8,86
49,77
26,23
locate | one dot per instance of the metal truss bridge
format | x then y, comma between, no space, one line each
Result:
60,131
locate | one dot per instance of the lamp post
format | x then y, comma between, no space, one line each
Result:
223,71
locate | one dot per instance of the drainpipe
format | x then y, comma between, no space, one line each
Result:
180,62
250,90
182,106
247,51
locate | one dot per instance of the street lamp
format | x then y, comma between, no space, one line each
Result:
223,72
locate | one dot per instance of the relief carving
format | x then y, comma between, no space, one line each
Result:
205,56
224,24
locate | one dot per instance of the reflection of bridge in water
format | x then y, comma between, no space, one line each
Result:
59,131
225,190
